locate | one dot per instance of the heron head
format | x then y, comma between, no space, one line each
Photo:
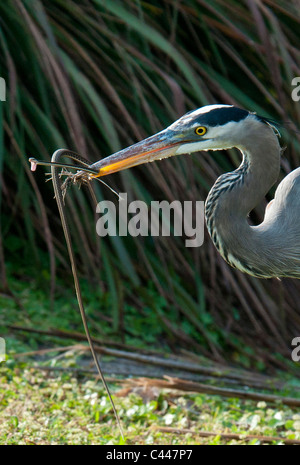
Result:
212,127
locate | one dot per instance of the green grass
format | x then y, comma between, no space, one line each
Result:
39,406
42,408
153,324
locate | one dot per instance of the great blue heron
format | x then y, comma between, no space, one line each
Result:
271,249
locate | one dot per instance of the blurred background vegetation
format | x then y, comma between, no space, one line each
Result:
95,76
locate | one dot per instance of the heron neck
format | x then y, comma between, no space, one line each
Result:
257,173
235,194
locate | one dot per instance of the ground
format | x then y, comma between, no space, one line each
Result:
52,396
42,407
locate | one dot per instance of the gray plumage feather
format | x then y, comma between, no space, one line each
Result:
271,249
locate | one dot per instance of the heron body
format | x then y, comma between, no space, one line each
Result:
270,249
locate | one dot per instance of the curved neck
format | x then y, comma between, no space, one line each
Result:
235,194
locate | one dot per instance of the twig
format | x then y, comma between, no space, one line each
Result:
79,371
244,378
185,385
229,436
52,349
77,336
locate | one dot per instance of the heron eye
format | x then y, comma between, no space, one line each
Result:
200,130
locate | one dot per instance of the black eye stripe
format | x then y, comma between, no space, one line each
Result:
220,116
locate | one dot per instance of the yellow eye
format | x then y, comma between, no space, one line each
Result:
200,130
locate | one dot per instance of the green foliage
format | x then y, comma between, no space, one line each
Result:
97,76
42,408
